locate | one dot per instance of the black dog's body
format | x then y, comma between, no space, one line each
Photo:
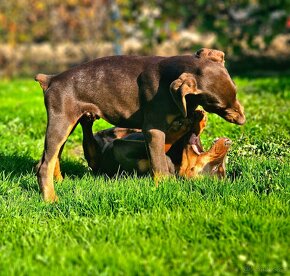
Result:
124,150
132,92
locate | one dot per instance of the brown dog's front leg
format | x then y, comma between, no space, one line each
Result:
155,141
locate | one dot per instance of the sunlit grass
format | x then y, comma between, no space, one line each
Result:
125,225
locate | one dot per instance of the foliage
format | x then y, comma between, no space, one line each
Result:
125,225
55,21
234,22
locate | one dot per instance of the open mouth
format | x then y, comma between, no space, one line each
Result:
194,142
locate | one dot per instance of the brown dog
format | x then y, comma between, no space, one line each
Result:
137,92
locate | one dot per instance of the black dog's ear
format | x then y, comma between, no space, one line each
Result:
184,85
212,54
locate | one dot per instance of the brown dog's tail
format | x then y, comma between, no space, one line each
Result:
44,80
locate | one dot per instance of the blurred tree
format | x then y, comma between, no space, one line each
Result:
23,21
250,23
115,19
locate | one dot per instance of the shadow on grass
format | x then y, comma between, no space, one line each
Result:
18,166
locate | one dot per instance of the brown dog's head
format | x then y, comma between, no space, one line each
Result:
212,88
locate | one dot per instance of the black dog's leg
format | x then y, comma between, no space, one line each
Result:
92,146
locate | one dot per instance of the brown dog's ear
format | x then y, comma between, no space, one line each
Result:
184,85
214,55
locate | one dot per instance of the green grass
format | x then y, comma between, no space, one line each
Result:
127,226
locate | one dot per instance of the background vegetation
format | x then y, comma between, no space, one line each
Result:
155,21
52,35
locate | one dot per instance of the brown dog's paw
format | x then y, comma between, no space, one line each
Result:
50,198
212,54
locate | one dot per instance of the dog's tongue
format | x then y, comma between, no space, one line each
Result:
194,141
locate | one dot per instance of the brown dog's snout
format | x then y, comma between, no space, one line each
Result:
228,142
237,118
225,141
242,119
240,115
235,114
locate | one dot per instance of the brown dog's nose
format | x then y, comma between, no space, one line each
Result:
228,142
241,120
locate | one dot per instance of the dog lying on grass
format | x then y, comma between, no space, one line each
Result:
124,149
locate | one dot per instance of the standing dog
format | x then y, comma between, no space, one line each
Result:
135,92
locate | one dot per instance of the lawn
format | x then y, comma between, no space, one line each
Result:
127,226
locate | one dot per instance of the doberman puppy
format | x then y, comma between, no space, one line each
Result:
121,149
128,152
146,92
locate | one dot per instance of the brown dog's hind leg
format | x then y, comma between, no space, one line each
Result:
57,171
57,133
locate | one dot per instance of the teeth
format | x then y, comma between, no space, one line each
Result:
195,149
